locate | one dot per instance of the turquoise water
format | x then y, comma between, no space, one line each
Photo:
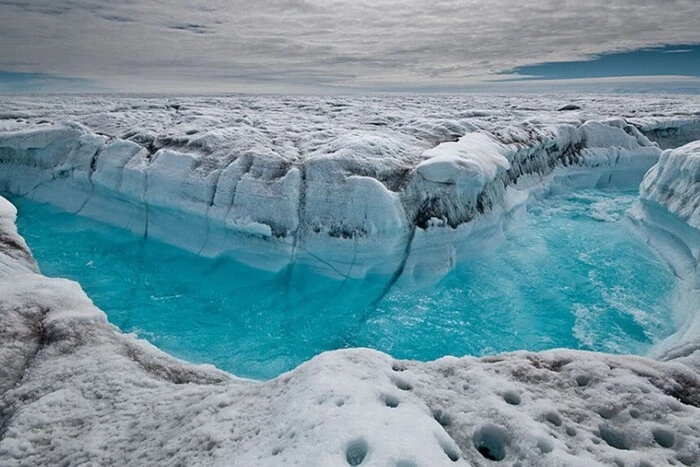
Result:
571,275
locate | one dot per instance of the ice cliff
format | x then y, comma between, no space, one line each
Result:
351,207
73,389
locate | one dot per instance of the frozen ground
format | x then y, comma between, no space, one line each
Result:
400,186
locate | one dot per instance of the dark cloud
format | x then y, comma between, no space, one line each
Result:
118,18
190,27
385,44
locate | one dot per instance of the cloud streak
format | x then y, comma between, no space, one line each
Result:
291,45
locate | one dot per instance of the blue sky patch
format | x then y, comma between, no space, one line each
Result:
11,82
675,60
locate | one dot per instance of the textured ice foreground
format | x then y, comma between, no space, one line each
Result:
74,389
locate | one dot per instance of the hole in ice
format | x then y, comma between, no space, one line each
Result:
663,437
490,441
545,445
356,451
613,437
391,401
553,418
450,449
512,397
442,417
607,412
567,276
402,384
687,458
583,380
571,431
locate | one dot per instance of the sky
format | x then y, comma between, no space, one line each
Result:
327,46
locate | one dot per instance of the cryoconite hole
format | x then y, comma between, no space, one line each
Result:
571,275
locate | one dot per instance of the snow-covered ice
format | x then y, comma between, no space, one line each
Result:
348,186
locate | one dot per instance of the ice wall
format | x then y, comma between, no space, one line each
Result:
669,132
672,183
668,214
349,208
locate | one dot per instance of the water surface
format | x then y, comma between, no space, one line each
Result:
572,275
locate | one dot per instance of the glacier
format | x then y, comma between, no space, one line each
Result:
397,187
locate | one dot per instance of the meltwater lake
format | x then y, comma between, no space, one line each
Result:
572,274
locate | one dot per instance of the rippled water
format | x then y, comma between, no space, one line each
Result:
572,275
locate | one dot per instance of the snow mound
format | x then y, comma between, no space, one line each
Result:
470,163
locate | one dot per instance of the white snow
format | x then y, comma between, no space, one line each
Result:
15,253
392,186
471,163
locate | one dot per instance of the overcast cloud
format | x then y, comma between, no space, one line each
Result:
322,44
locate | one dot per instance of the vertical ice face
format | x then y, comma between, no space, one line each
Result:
353,190
674,183
670,132
668,214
